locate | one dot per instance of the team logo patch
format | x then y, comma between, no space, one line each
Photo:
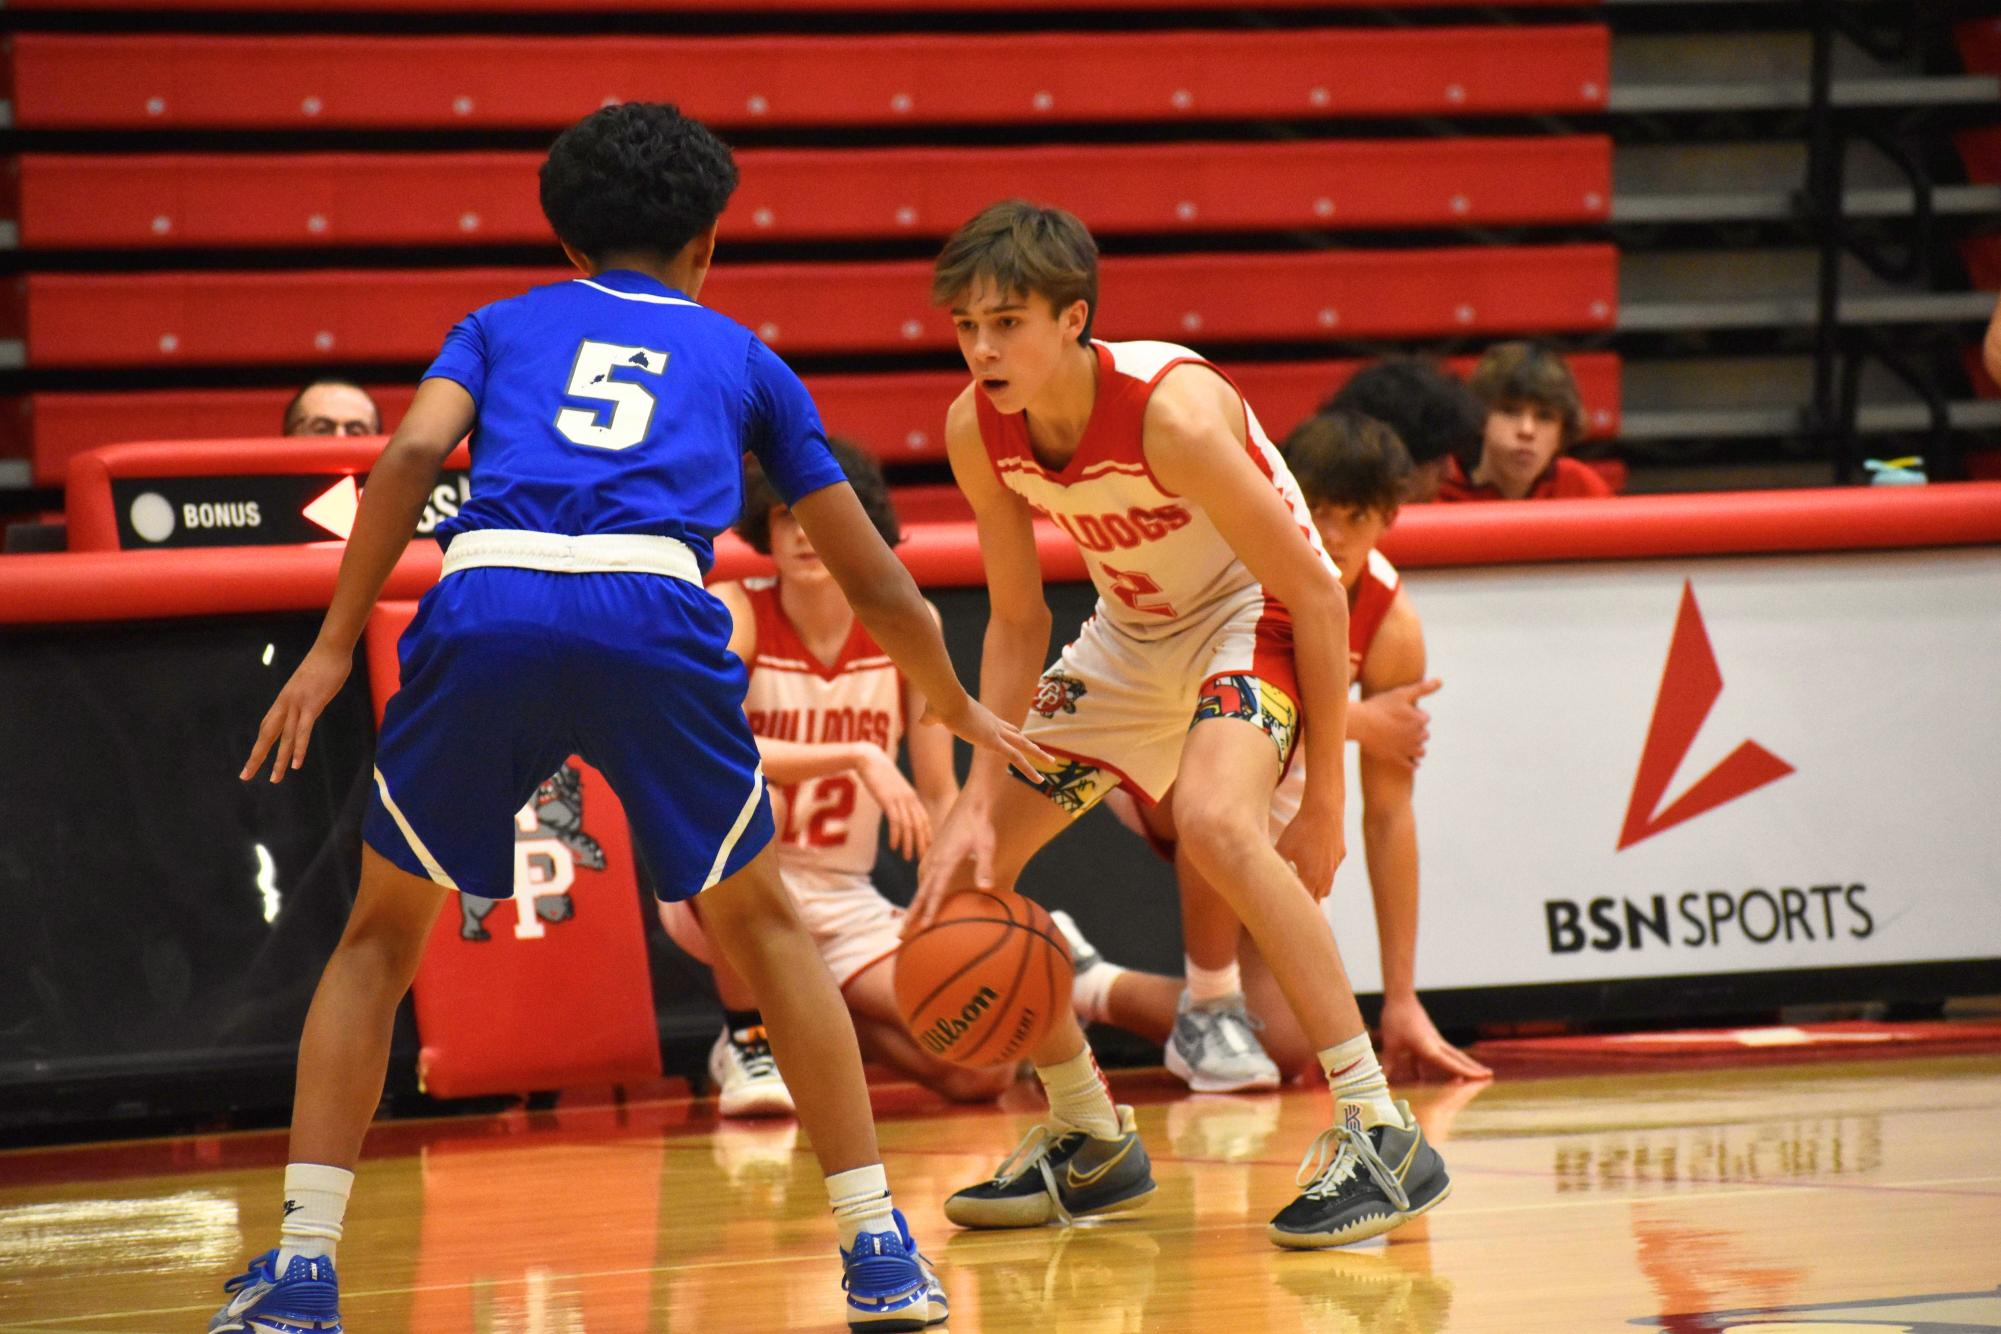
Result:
550,844
1056,693
1073,785
1246,697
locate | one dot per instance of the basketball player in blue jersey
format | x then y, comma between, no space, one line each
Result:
609,415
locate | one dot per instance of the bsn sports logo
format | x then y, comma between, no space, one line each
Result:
549,845
1690,685
942,1035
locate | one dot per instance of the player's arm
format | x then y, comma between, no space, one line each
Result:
1016,643
399,484
785,762
1411,1043
1011,655
930,749
1193,446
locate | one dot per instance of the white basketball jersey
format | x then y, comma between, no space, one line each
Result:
831,823
1155,556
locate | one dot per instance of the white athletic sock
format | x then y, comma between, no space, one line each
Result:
1078,1097
1212,984
1355,1078
315,1205
1091,991
860,1197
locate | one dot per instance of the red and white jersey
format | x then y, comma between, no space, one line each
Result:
831,823
1369,603
1156,557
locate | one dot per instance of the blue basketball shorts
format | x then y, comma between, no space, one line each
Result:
506,673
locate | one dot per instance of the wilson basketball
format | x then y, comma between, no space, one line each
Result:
983,983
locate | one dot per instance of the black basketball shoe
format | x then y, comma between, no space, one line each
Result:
1360,1184
1059,1175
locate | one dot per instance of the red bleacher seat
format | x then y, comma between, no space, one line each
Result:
323,199
1979,42
63,80
1980,150
349,316
897,417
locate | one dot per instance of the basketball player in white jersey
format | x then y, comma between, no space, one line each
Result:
1354,473
828,709
1221,624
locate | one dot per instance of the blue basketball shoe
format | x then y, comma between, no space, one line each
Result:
305,1301
891,1285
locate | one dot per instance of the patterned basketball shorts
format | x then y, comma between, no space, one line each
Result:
1116,708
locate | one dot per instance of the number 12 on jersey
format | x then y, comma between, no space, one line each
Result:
631,404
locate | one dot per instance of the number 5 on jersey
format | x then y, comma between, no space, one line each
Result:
631,404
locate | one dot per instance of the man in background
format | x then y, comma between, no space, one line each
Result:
332,407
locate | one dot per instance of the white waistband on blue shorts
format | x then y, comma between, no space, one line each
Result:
590,553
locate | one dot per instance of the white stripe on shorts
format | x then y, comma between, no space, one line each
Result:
430,863
736,830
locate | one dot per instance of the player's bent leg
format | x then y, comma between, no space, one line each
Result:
871,999
1284,1040
741,1066
343,1057
751,919
344,1050
1373,1169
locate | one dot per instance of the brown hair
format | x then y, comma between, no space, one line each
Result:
1021,247
1347,460
1533,373
759,497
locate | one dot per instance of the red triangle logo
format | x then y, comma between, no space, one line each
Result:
1690,685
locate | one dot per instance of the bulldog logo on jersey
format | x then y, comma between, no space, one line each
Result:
1057,692
549,845
1243,696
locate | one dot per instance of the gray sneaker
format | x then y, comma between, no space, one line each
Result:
1214,1047
1059,1175
1361,1183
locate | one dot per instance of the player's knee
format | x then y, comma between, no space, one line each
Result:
1218,837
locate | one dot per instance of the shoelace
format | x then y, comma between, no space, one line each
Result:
257,1273
1331,1160
1231,1024
754,1054
1033,1152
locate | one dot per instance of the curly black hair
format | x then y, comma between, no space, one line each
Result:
1430,409
760,498
639,176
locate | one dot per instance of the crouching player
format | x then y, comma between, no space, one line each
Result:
1353,472
828,708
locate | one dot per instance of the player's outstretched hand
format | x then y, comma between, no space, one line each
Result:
1313,846
289,724
1413,1049
967,832
909,822
1398,729
977,726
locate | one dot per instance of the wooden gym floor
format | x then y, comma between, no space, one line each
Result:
1788,1199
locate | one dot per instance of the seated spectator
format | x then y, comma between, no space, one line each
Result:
1534,414
1429,409
828,710
332,407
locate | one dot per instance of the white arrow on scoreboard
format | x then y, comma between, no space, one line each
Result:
333,509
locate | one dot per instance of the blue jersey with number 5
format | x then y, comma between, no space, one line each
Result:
613,404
